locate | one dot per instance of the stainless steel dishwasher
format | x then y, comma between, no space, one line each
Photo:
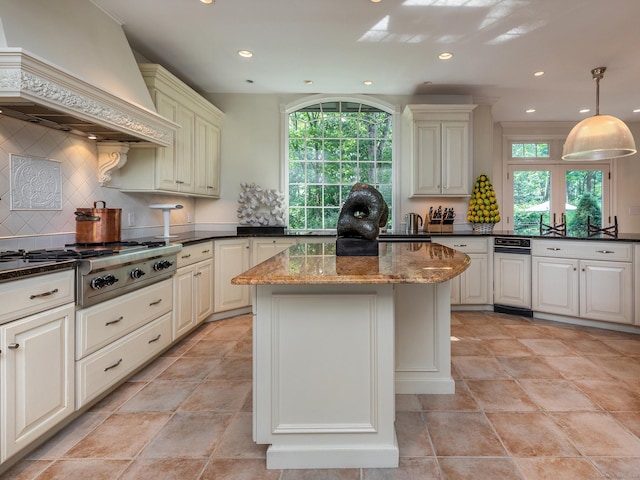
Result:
512,275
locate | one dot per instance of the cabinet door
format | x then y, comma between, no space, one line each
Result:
166,157
204,290
555,285
231,259
263,248
473,281
37,376
512,280
606,291
427,156
455,158
183,301
454,294
207,158
185,149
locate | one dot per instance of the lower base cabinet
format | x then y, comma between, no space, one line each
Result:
232,258
36,378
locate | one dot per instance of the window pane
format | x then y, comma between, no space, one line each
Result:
530,150
584,200
531,200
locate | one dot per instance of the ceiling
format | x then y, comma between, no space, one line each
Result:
497,47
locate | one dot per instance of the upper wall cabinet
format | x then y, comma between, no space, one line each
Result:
191,165
440,138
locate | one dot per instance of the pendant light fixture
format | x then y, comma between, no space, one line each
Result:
599,137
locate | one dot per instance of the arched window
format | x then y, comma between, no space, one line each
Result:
331,144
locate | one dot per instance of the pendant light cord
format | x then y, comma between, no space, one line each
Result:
597,74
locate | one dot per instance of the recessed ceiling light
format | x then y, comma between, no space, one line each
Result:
585,110
376,1
207,1
539,73
637,110
530,110
245,53
368,82
308,82
92,136
445,56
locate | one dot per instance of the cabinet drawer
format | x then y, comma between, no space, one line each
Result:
195,253
104,368
101,324
587,250
21,298
464,244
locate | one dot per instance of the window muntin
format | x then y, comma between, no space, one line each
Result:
530,150
332,146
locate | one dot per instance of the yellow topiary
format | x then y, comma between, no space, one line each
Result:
483,205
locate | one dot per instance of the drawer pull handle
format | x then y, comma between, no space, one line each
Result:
553,249
113,366
206,251
605,251
179,182
111,322
186,256
155,303
197,274
14,346
45,294
460,245
155,339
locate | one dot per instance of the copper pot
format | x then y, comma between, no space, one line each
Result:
98,225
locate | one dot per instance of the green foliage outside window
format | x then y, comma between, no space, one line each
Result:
332,146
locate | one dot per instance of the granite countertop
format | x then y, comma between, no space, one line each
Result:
316,263
19,269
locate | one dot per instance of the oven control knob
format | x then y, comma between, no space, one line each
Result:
110,279
137,273
161,265
97,283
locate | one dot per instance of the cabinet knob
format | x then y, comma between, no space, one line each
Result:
14,346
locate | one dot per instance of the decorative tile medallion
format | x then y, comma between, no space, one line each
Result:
36,183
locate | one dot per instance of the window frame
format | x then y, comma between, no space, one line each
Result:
301,103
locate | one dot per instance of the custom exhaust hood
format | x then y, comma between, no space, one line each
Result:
67,65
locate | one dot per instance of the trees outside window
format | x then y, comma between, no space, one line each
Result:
332,145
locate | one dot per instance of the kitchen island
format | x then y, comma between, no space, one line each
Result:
335,338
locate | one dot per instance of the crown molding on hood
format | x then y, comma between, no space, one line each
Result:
30,84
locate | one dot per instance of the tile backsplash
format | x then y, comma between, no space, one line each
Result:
80,188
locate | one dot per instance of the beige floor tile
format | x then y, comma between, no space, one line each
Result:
553,468
556,395
242,469
528,367
547,347
506,347
468,347
631,421
25,470
164,469
531,434
237,440
114,400
624,368
212,347
612,395
218,396
190,369
577,367
188,435
471,468
89,468
119,436
592,347
489,331
618,468
500,395
424,468
325,474
479,367
233,368
527,331
463,434
159,396
152,370
460,400
597,434
413,439
626,346
408,403
68,436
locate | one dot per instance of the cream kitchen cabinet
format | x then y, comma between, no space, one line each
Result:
472,286
590,280
440,145
232,257
36,359
191,165
264,248
193,287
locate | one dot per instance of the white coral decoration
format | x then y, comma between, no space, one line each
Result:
260,207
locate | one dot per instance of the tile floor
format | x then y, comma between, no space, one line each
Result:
534,400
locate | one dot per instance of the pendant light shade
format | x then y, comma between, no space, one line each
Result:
599,137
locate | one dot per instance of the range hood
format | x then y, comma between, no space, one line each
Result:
34,90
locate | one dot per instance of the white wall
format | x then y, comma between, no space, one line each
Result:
251,152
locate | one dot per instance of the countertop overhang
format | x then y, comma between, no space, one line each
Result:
397,263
